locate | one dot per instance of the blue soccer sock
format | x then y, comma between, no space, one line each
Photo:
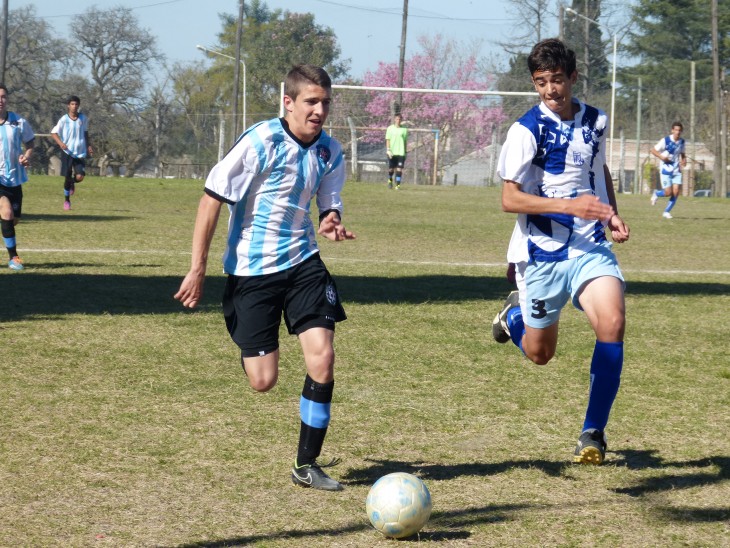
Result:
659,193
608,360
8,232
670,205
314,411
516,326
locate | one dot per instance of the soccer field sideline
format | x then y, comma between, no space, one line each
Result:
369,261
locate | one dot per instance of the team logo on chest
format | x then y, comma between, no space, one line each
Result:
323,153
577,158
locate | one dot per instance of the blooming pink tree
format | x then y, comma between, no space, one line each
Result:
465,123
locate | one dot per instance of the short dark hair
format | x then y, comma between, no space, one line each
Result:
551,54
73,98
302,75
678,124
4,87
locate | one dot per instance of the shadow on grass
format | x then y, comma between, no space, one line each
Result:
379,468
638,460
38,291
71,217
460,520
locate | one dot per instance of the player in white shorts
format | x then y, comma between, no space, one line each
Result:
556,180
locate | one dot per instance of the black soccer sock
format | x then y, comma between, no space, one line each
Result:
67,189
314,410
8,232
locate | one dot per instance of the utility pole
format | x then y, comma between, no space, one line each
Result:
4,40
402,60
720,169
237,71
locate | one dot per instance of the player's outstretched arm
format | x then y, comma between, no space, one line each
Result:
586,206
331,228
619,229
191,288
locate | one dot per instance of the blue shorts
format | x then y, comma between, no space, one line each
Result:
548,285
669,179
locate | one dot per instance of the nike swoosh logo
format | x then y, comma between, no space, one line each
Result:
306,479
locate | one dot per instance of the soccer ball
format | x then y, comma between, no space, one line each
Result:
398,505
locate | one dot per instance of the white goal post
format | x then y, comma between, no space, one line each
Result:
454,134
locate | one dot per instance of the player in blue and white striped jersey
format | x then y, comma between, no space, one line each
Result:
556,180
71,134
15,134
268,180
670,150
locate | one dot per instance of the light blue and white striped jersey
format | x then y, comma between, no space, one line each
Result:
556,159
269,180
675,149
73,134
13,133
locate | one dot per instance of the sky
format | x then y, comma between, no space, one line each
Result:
368,31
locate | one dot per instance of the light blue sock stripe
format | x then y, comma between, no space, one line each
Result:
316,415
9,242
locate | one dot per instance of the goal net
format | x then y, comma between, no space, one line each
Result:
454,136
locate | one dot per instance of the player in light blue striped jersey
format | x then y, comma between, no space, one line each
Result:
15,134
71,134
670,150
556,180
268,180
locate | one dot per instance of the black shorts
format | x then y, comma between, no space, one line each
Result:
15,195
252,305
69,163
396,161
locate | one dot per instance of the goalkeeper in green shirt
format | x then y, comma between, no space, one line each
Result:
395,144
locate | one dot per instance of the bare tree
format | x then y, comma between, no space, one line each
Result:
532,21
120,54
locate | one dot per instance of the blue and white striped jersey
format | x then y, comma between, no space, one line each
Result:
13,133
269,180
674,149
556,159
73,134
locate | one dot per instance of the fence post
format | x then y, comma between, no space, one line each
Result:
353,140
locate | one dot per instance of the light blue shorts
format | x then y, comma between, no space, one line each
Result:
548,285
669,179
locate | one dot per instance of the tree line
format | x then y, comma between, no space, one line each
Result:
144,111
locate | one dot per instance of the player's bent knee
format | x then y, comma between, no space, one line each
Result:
540,358
79,177
262,383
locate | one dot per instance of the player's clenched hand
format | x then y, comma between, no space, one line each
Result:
590,207
331,228
191,290
619,229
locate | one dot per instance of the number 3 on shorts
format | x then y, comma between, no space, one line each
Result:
538,309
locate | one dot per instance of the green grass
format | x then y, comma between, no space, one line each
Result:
127,421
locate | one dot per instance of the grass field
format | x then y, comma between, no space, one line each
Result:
126,421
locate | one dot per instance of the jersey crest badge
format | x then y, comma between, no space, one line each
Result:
323,153
577,158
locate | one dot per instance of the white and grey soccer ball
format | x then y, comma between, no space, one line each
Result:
398,505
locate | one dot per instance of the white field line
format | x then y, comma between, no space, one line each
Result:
370,261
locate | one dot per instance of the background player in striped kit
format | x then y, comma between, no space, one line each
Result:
269,179
670,150
71,133
556,180
15,133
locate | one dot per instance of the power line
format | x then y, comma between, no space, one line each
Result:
143,6
397,11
